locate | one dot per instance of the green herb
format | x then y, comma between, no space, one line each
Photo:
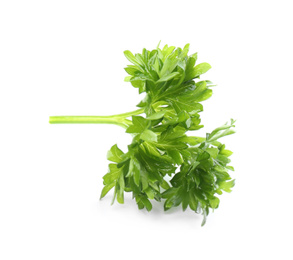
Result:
163,162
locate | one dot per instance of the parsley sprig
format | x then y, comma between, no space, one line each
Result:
163,162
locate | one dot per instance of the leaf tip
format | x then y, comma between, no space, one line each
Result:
158,44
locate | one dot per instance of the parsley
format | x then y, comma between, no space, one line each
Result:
197,167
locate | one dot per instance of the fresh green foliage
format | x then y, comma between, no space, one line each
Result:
196,167
163,163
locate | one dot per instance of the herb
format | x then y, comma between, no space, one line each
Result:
196,167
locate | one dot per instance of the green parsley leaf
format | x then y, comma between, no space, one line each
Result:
163,162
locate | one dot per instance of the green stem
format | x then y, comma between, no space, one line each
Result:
119,119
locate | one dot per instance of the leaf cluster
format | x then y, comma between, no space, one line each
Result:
163,162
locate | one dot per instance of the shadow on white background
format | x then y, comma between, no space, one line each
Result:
129,208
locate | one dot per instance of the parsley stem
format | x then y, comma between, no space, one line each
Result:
119,119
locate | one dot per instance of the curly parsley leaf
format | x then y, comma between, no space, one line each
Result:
172,105
197,168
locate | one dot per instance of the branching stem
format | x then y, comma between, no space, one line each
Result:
119,119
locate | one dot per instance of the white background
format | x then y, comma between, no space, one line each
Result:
66,58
